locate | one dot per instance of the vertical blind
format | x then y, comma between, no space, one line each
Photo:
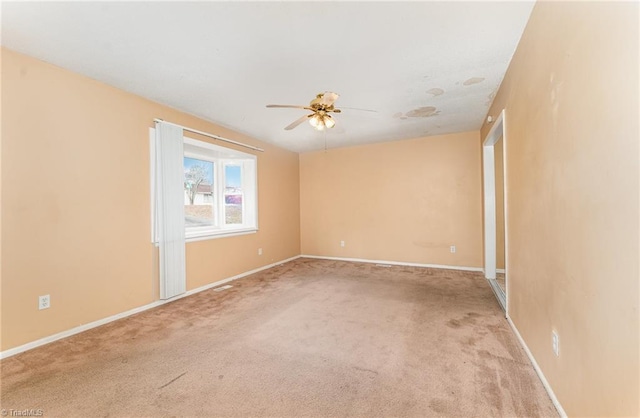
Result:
169,206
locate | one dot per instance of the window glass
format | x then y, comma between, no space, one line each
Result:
233,196
199,200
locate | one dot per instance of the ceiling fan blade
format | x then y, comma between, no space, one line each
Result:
329,98
289,106
297,122
355,108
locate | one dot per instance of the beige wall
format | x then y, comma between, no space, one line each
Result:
403,201
75,202
1,204
571,100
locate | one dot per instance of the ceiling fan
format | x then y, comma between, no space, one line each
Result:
321,106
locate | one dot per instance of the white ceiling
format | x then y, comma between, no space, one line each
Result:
427,68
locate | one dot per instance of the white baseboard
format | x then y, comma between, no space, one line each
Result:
396,263
543,379
230,279
85,327
497,270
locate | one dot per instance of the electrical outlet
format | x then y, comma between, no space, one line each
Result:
342,243
555,343
259,251
452,249
44,302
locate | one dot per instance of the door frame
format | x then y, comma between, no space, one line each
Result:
497,131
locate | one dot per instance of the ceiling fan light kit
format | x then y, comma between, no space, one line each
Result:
320,121
321,106
328,121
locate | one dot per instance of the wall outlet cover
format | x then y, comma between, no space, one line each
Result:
44,302
555,343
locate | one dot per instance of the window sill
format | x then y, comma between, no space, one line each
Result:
218,234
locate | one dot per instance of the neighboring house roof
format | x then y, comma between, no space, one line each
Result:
205,188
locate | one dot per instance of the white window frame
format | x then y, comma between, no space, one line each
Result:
219,156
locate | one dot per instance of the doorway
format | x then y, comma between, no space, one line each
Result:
495,242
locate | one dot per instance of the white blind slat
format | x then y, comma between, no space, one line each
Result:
170,209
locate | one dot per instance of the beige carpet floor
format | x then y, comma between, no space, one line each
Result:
310,338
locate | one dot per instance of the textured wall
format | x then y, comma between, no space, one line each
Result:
571,100
398,201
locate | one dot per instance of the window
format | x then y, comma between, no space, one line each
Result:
219,190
